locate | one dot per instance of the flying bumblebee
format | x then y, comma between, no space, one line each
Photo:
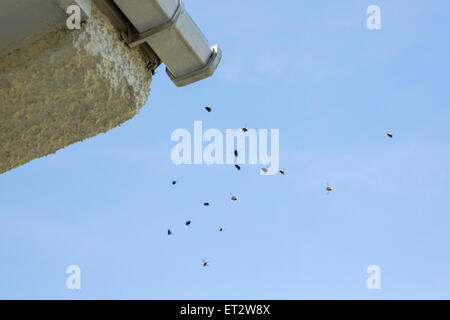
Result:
389,134
206,263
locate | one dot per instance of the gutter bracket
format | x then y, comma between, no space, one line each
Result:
134,39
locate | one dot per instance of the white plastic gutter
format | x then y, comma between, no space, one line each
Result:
172,34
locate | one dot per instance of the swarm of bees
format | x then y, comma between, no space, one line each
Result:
234,198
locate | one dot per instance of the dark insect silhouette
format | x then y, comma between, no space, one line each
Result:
188,222
174,182
220,229
169,232
236,153
389,134
237,166
150,67
265,170
206,204
282,171
208,109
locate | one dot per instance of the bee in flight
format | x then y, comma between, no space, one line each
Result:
328,188
169,232
237,166
236,153
208,109
188,222
233,198
389,134
220,229
174,182
206,263
205,204
282,171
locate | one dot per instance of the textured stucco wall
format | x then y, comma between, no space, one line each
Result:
65,87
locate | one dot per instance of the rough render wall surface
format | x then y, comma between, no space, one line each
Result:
65,87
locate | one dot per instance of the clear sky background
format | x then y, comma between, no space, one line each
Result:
332,87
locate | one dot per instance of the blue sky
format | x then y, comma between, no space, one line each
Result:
332,87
